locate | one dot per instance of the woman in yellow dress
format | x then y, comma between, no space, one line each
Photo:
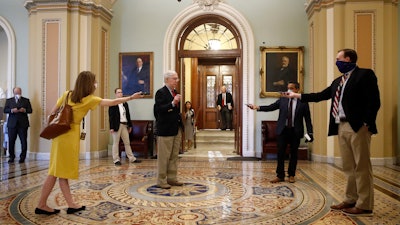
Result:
64,155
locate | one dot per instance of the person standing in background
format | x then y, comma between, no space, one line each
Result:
355,104
225,106
120,127
17,108
189,124
169,131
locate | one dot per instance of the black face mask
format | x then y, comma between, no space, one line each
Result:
345,67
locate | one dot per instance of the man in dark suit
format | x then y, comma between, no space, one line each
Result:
355,104
169,133
138,79
225,106
290,130
120,127
17,108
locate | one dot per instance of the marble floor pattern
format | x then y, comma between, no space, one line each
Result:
215,191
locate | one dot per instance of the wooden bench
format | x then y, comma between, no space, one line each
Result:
269,143
141,138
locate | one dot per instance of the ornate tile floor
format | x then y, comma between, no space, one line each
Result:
216,191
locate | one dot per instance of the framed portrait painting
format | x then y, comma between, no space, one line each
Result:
136,73
279,65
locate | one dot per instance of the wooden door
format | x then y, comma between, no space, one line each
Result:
212,77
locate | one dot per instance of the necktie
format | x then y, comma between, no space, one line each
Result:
223,101
335,108
16,100
173,93
289,117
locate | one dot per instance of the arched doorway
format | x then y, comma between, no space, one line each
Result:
209,56
246,88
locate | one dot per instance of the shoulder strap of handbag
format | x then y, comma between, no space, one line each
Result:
66,98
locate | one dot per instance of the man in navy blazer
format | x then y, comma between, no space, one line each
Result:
169,134
289,133
17,108
353,120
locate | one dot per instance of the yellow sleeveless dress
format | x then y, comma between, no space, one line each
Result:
64,155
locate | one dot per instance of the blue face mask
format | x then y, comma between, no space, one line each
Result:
345,67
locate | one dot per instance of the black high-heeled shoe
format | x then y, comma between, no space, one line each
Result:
74,210
44,212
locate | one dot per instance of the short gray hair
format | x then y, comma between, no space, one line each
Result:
169,74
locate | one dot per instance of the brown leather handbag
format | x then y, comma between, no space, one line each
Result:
59,122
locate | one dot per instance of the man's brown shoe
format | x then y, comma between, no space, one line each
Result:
164,186
175,183
277,180
291,179
357,212
342,206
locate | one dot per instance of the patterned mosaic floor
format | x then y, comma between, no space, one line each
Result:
216,191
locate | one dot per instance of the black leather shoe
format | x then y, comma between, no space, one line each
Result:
21,161
118,163
44,212
137,161
73,210
11,160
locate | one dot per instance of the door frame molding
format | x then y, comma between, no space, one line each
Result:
247,68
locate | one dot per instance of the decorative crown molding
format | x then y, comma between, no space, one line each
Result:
208,5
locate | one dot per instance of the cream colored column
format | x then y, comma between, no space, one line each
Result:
66,38
371,28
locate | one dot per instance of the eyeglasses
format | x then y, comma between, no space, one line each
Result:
174,78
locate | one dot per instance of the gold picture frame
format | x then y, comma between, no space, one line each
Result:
132,79
278,66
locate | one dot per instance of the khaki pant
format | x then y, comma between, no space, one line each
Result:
355,150
124,135
167,157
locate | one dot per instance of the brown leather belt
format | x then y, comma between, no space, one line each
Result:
124,123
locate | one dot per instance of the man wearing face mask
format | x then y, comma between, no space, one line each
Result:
355,104
290,129
17,108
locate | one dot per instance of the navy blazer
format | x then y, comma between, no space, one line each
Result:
302,111
168,117
18,118
360,100
115,116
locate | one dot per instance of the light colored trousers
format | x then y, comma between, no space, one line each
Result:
355,150
167,157
124,134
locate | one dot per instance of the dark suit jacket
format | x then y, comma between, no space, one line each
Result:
18,118
228,98
115,116
302,111
360,100
168,118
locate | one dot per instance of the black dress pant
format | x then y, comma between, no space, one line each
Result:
288,137
22,133
226,118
